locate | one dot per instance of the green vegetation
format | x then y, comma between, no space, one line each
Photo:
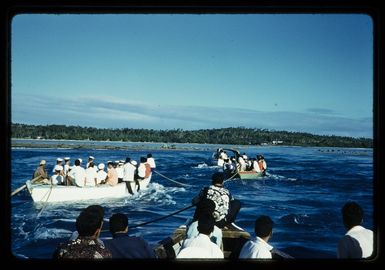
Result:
238,135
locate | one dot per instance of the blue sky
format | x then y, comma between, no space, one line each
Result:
296,72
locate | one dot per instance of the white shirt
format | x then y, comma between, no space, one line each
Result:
57,179
142,170
192,232
91,175
200,247
256,248
151,161
128,172
119,171
101,176
79,174
352,249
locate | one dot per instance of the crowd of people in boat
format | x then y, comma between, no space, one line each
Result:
216,210
239,162
94,174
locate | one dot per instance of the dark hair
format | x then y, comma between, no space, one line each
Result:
217,178
118,223
204,206
77,162
128,159
149,155
88,222
143,159
352,214
206,223
96,208
263,226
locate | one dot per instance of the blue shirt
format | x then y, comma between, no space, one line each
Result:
129,247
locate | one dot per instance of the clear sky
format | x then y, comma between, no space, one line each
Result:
296,72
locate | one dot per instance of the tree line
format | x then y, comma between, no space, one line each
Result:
231,135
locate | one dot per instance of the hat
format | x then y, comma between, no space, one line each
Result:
66,158
59,159
133,162
58,168
42,162
101,166
80,160
91,157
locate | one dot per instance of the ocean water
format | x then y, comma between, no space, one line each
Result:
303,194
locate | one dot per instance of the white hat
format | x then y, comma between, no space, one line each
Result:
133,162
80,160
59,159
101,166
91,157
58,168
66,158
42,162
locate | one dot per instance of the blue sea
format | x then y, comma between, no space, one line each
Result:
303,194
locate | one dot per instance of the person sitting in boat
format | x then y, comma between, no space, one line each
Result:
260,166
91,176
57,178
205,206
77,175
258,247
42,173
242,163
229,168
201,245
112,176
129,170
226,207
59,161
151,161
66,168
90,159
95,208
119,170
101,174
357,243
124,246
86,246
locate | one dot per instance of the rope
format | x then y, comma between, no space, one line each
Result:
157,219
228,179
179,183
45,203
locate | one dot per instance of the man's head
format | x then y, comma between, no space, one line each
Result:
217,178
118,223
263,226
206,223
88,222
352,214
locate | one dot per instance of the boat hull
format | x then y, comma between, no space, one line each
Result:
250,175
59,193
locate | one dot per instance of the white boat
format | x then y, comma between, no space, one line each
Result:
59,193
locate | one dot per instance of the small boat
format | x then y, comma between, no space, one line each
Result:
233,240
59,193
250,175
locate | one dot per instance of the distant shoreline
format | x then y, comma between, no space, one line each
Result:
18,143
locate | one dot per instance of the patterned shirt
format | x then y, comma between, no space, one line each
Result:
221,197
81,248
